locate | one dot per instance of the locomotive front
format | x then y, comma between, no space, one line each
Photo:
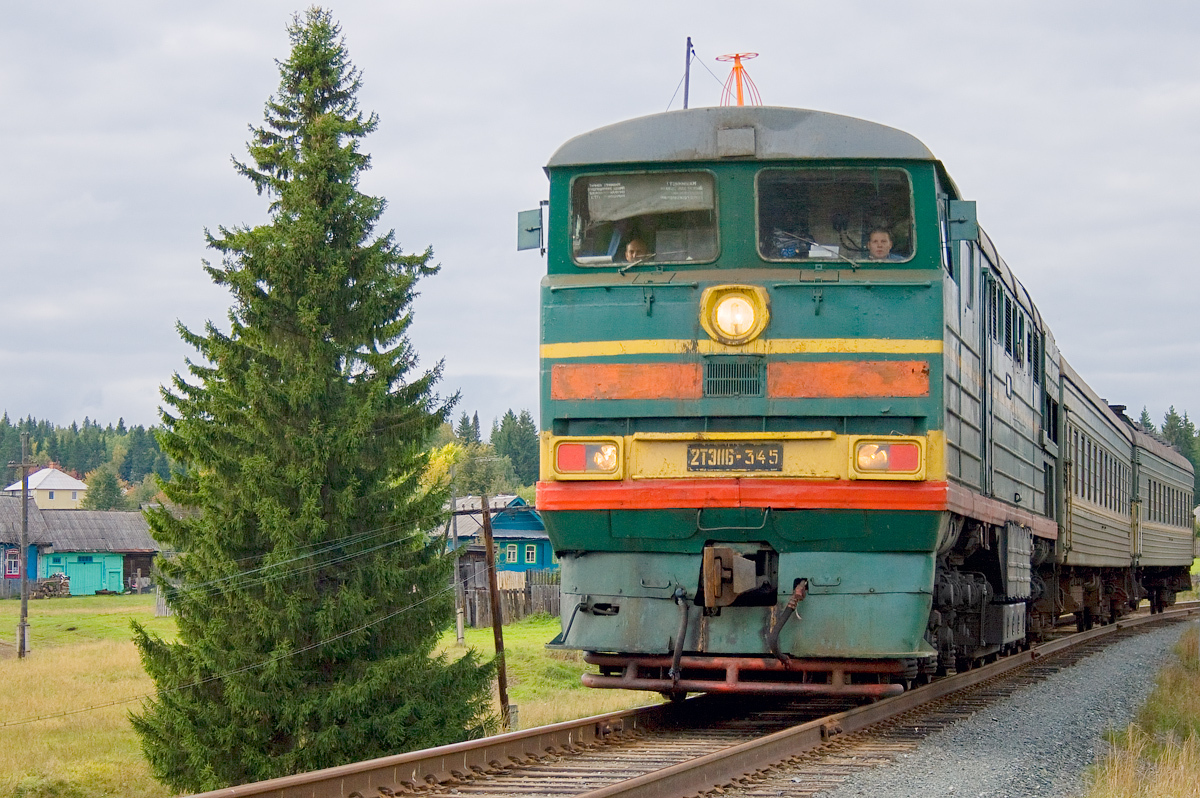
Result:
743,464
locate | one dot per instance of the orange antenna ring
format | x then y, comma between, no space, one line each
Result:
738,85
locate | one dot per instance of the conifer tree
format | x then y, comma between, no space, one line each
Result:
104,491
464,431
1146,422
516,438
307,597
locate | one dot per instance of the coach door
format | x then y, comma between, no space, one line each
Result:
987,346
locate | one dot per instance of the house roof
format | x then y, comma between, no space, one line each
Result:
511,518
98,530
10,522
50,479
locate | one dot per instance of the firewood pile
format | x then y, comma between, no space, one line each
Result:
56,586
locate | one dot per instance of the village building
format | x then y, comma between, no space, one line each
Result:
99,550
518,534
52,490
10,541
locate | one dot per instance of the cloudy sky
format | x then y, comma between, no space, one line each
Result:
1073,124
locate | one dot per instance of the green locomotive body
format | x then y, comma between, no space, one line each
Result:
794,440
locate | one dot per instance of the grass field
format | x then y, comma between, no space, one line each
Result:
82,657
545,684
1159,753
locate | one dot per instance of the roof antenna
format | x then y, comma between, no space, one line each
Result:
739,78
687,72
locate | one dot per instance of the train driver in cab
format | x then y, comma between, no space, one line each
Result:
636,251
879,246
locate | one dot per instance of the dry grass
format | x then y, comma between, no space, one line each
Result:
545,684
1159,754
82,657
88,754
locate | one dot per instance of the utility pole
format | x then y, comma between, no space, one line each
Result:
687,72
23,624
497,618
458,586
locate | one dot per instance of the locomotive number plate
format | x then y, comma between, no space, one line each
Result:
734,457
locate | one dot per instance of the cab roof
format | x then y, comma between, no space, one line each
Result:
709,134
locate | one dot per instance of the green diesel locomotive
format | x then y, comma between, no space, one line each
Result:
803,430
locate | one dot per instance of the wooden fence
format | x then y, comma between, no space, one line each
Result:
540,593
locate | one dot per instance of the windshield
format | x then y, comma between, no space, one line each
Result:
656,217
856,214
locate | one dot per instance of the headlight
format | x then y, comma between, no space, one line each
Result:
903,458
735,315
582,458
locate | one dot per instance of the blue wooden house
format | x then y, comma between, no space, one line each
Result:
97,550
10,541
517,531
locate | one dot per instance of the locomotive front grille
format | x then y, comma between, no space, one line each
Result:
730,377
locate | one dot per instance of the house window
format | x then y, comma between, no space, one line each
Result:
51,494
12,562
530,553
74,495
511,554
84,558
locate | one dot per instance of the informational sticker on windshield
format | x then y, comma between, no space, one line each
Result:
735,457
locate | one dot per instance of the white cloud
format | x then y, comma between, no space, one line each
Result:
1072,124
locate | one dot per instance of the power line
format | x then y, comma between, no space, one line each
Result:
234,672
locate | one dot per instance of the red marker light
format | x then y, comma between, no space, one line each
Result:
572,457
904,457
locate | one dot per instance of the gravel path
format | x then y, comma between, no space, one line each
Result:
1037,741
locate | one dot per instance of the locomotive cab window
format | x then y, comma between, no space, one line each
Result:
650,217
835,214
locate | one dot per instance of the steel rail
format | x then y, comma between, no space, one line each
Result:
723,767
384,775
419,768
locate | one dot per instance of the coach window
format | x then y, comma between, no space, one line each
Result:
835,214
648,217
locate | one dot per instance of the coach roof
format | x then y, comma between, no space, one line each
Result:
781,133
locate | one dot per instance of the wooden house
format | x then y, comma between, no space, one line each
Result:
52,489
519,536
10,541
98,550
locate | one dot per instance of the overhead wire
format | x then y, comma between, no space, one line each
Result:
235,671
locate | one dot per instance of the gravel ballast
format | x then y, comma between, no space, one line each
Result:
1036,742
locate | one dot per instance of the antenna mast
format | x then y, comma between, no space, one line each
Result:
687,72
739,84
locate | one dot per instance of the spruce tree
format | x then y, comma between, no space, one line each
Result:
104,491
307,597
516,438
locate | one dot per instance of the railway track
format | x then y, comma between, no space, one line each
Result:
697,745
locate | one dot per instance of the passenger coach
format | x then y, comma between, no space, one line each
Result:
803,431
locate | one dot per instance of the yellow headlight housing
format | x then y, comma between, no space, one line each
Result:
574,458
734,314
887,458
